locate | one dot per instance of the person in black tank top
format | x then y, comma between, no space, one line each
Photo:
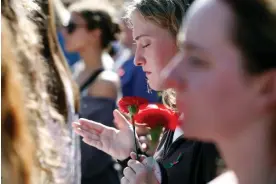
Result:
90,32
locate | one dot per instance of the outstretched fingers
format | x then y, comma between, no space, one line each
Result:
89,126
120,121
93,125
91,134
93,142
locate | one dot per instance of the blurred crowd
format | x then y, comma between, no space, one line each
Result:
71,59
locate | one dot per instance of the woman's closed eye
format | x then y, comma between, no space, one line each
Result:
197,62
146,45
143,46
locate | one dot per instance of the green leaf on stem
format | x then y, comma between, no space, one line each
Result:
155,134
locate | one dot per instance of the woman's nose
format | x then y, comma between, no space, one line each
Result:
139,61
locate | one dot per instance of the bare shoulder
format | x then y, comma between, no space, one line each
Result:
109,77
77,68
228,177
106,85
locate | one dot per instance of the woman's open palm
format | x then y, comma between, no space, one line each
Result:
116,142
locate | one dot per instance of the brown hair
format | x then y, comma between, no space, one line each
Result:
59,78
17,150
56,61
254,33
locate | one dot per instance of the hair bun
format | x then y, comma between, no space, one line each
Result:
116,28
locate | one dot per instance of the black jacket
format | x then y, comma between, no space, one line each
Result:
185,161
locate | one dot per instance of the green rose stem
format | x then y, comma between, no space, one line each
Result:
155,134
132,109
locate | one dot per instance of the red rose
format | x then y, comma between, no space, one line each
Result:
131,103
154,115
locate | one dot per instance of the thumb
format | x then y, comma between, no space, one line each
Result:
120,121
144,147
134,157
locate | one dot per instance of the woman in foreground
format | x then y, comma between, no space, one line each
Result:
225,78
17,150
39,144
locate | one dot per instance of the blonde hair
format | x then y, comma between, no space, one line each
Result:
169,99
17,150
44,113
167,14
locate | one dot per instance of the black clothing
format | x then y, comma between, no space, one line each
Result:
184,161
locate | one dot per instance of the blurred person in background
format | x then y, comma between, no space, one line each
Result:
90,31
50,100
62,16
72,57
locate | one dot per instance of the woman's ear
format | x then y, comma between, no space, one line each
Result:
272,101
267,89
95,33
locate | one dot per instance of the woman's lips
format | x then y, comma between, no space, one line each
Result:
147,73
